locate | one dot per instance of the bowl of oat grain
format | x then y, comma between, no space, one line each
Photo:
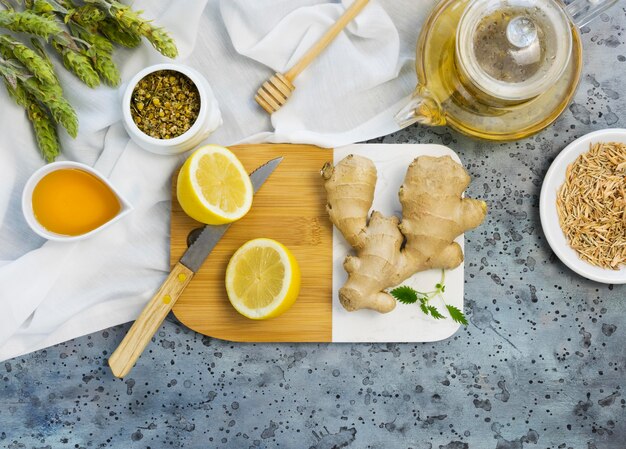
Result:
169,109
583,206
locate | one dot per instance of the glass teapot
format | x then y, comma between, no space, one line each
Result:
498,69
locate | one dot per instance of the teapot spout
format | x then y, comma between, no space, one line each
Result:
421,108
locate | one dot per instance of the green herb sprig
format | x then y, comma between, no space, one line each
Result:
49,95
44,127
38,66
131,21
28,22
115,33
82,33
408,295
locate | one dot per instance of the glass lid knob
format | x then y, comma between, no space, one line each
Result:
521,32
513,50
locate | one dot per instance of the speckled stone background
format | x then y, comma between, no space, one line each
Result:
541,365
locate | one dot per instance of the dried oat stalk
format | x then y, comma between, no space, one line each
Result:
592,205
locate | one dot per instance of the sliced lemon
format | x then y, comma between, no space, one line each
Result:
262,279
213,187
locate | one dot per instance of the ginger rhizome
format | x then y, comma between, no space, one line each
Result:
388,251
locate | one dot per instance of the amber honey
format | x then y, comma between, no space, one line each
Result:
73,202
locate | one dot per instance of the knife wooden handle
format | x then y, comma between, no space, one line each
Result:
142,330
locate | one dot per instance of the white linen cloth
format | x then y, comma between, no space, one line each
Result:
51,292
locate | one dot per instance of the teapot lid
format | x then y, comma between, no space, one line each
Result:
513,49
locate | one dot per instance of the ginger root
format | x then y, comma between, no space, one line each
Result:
388,251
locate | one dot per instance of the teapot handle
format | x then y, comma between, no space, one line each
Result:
421,108
584,11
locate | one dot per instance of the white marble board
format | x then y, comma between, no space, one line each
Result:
406,323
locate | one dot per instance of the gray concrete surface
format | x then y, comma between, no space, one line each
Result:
541,365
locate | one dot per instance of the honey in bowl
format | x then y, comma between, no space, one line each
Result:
73,202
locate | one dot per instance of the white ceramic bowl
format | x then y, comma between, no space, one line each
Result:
549,216
209,117
27,203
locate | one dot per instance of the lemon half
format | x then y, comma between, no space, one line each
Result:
213,186
262,279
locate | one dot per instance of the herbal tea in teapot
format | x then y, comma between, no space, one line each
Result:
498,69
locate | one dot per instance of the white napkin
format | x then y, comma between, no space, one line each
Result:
51,292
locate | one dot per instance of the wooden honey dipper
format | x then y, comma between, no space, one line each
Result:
275,92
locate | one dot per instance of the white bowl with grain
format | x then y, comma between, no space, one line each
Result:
548,207
208,120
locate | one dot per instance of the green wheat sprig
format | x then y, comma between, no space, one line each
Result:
89,16
113,31
83,34
41,7
36,64
45,131
53,99
49,95
29,22
93,58
132,20
93,39
78,63
101,52
74,58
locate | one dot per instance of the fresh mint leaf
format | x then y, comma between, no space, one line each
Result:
457,315
408,295
434,312
404,294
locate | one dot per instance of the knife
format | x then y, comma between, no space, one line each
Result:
142,330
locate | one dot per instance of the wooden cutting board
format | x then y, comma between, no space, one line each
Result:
290,208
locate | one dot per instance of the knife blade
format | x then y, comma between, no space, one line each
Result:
140,333
200,249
